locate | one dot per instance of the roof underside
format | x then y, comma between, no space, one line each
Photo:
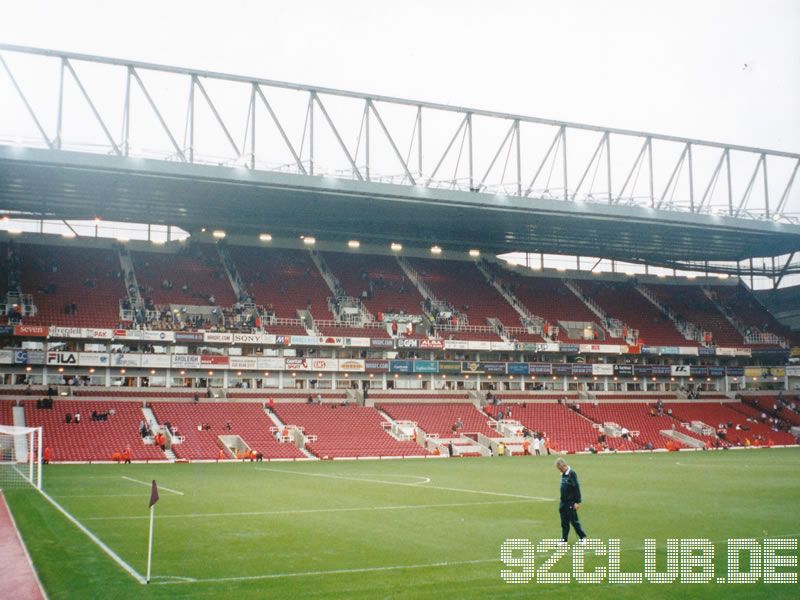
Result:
70,185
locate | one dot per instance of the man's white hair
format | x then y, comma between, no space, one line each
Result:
560,461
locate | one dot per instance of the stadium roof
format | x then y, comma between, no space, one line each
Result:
72,185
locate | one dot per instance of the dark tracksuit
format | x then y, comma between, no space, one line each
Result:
570,495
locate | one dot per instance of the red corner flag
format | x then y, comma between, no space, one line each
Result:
153,494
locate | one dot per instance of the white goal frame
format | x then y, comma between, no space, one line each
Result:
22,452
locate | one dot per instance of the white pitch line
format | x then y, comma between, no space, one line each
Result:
96,495
166,489
331,572
427,487
303,511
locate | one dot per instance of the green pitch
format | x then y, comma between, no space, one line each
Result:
395,529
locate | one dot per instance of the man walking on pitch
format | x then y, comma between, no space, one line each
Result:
570,500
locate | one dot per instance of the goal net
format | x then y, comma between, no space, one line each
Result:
20,457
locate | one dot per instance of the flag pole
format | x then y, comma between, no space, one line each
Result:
150,543
153,500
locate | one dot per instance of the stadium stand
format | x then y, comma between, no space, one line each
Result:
464,287
549,299
772,406
716,414
191,276
440,418
564,429
744,306
692,305
91,440
636,417
60,277
283,281
622,301
247,420
345,431
6,412
391,290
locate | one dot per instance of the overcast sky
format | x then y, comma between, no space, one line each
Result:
721,70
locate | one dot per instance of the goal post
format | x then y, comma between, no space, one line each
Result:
20,457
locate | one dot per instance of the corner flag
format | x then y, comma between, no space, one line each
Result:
153,494
153,500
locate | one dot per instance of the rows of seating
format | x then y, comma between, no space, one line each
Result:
247,420
564,429
715,414
193,276
391,291
289,395
441,419
465,288
691,304
285,280
637,417
622,301
345,431
91,440
60,277
741,303
768,405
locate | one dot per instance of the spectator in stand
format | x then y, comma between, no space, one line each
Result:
48,455
77,418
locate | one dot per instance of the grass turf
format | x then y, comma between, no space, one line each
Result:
385,529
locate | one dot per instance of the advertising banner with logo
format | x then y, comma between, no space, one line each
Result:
479,345
602,348
743,351
679,370
93,359
705,352
218,337
380,365
598,369
431,344
698,371
270,363
28,357
623,370
185,361
97,334
642,370
562,370
540,368
494,368
517,368
456,345
581,370
158,336
155,360
312,364
30,330
726,351
660,370
734,371
322,341
128,334
381,343
126,360
6,357
401,366
241,363
449,366
793,371
250,338
62,358
356,342
65,332
502,346
213,360
471,367
550,347
407,343
716,371
188,336
426,366
569,348
688,351
6,330
352,365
